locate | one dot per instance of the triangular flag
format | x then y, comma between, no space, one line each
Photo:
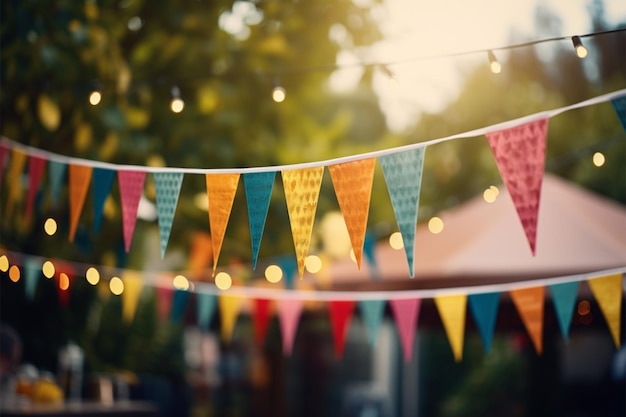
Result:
340,318
102,180
131,189
36,167
229,310
221,189
260,319
369,250
452,312
520,154
403,176
179,305
608,293
353,186
289,312
484,308
564,300
164,297
201,252
56,174
530,303
167,186
406,312
130,297
18,161
258,186
32,274
79,178
302,190
289,265
205,309
372,314
619,104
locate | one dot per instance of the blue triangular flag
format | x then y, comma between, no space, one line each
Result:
369,250
167,190
403,175
32,273
484,308
179,304
258,186
206,304
619,104
372,313
289,265
102,180
56,171
564,299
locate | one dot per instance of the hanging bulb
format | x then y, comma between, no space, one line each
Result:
279,94
177,104
494,64
96,95
581,51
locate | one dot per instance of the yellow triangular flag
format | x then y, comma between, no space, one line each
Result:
229,310
130,297
221,189
608,293
452,311
302,190
18,161
530,303
79,178
353,187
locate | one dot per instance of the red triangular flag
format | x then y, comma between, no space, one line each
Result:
164,297
261,320
406,313
340,318
36,167
520,154
131,188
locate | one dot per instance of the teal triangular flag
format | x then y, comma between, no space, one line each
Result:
372,313
564,300
484,308
32,273
258,186
179,303
167,190
619,104
102,180
289,265
403,175
205,304
56,171
369,250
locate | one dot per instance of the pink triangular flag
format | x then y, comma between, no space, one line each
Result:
36,167
340,318
406,313
289,311
520,154
131,188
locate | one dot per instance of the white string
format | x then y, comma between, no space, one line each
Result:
469,134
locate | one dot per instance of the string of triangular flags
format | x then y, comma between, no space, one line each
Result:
518,146
452,304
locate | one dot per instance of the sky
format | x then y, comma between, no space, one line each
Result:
416,31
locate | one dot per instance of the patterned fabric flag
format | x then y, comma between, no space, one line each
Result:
369,250
372,313
130,297
340,318
452,310
530,304
484,308
179,305
289,265
205,309
221,189
56,175
102,181
261,320
619,105
302,190
229,311
32,274
403,175
258,187
520,154
289,312
80,177
36,167
167,186
131,189
564,300
608,293
353,187
406,313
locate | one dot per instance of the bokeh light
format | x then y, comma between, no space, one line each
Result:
48,269
273,274
435,225
64,281
223,281
181,283
395,240
4,263
598,159
92,275
14,273
313,264
116,285
50,226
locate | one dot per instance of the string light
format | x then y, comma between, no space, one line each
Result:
95,97
64,281
598,159
313,264
116,285
92,275
494,64
223,281
395,241
181,283
279,94
48,269
14,273
4,263
177,104
273,274
581,51
435,225
50,226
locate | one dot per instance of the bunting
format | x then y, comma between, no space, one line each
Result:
18,162
56,174
164,297
130,297
372,313
258,188
452,312
530,304
179,305
289,312
131,189
260,319
484,308
167,186
229,311
564,300
205,309
36,167
79,177
608,293
221,189
406,312
102,181
340,318
619,105
32,273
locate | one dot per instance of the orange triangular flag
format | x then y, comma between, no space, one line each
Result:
229,310
353,187
79,177
608,293
302,190
130,297
18,162
452,311
529,303
221,189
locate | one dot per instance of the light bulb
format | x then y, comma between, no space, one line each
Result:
581,51
223,281
177,105
279,94
273,274
95,97
495,66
